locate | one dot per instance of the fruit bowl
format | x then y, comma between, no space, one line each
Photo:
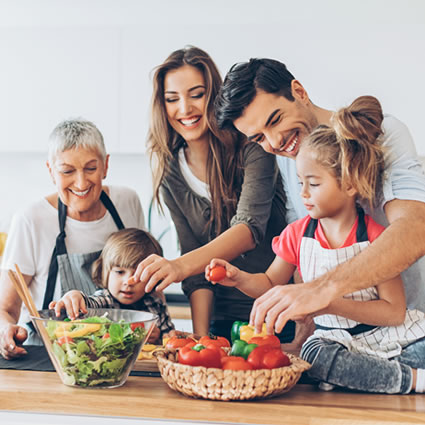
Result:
219,384
96,350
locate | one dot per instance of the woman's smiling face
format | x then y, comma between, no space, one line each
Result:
185,102
78,174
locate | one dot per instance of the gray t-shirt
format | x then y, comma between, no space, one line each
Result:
261,206
404,178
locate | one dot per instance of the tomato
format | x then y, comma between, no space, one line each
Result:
64,340
106,335
135,325
217,273
272,340
199,355
178,341
218,341
236,363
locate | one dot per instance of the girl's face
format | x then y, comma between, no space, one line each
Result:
320,191
122,288
78,175
184,95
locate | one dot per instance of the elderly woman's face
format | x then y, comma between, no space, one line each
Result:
78,175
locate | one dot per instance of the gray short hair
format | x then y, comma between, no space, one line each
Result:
73,134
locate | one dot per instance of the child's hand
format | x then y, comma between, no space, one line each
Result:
155,335
73,302
215,274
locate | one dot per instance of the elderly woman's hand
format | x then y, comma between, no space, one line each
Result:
154,337
155,268
10,336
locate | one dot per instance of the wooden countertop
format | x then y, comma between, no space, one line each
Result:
151,398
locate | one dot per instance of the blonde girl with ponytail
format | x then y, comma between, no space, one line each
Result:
366,340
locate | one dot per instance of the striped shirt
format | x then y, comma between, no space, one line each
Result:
102,298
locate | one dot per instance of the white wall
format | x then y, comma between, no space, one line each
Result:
93,59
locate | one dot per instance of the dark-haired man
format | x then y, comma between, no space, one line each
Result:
263,100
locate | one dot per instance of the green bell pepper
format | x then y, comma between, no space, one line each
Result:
235,331
242,349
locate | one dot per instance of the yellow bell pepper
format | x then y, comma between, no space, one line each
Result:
247,332
83,329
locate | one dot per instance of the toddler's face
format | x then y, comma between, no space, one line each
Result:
122,288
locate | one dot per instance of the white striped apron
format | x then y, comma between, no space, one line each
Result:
385,342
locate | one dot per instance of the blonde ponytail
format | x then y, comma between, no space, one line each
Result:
351,148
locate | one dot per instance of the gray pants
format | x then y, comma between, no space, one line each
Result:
333,363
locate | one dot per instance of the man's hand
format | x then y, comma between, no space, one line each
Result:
10,336
282,303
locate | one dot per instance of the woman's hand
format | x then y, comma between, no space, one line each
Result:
11,336
155,268
213,273
73,302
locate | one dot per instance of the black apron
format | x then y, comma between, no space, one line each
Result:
74,269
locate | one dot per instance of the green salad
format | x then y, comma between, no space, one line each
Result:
95,351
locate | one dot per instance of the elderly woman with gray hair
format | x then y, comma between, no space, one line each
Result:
55,240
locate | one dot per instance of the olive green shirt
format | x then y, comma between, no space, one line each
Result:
261,206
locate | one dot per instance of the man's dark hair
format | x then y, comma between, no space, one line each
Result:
241,84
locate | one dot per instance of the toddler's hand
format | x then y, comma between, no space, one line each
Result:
214,273
73,302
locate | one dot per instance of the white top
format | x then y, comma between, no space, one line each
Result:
197,185
33,233
404,178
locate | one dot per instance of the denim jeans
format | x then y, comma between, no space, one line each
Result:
333,363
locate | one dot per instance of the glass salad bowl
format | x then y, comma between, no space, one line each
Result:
99,348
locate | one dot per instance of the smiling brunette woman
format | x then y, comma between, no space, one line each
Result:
55,240
225,195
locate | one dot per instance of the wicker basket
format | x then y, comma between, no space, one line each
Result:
219,384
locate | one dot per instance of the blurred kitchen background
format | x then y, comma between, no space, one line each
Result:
62,59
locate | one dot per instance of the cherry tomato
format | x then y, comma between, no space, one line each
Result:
219,341
135,325
217,273
178,341
106,335
236,363
64,340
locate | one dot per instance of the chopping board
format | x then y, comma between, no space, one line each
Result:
148,365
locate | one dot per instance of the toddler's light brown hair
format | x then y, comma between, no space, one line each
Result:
125,248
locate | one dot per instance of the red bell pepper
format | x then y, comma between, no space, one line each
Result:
272,340
219,341
199,355
267,357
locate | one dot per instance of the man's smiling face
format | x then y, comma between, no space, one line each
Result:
276,123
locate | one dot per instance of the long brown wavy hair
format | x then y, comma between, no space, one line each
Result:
225,154
351,148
